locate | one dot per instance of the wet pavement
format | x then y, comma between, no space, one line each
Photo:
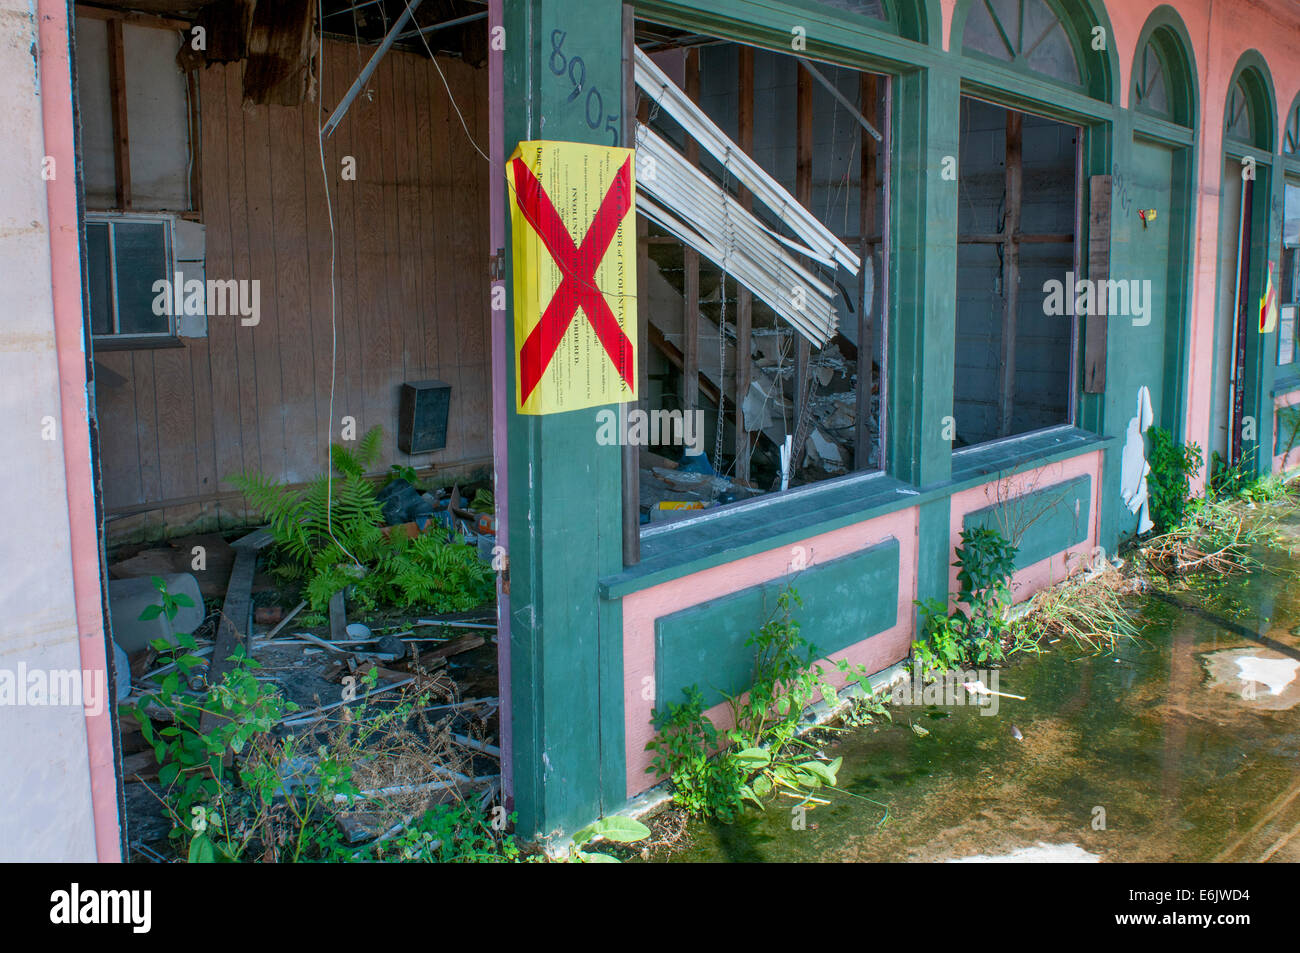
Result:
1181,747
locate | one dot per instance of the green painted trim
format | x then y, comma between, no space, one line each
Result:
1286,385
1167,31
566,647
1079,18
1041,519
1253,70
830,34
732,535
845,602
933,552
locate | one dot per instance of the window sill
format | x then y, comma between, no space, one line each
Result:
975,465
128,343
1286,385
713,539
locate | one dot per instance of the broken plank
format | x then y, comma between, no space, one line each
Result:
257,539
1094,334
455,647
338,617
234,617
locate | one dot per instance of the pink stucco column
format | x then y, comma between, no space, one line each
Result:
65,273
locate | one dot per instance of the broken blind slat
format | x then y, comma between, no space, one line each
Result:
669,97
732,238
816,320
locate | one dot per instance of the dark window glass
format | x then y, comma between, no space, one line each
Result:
98,278
141,255
1027,32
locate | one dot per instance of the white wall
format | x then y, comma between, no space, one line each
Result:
45,803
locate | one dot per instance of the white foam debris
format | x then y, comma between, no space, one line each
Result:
1039,854
1276,673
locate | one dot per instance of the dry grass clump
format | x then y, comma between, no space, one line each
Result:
1216,538
1087,609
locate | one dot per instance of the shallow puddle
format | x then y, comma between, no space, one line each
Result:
1175,749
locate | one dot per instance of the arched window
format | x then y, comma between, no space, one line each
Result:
1024,33
875,9
1150,91
1249,116
1239,124
1291,140
1164,77
907,18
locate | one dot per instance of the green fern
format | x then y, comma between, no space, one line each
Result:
330,535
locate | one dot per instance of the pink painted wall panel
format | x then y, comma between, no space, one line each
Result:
641,609
1048,571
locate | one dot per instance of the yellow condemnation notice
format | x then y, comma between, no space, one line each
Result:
572,223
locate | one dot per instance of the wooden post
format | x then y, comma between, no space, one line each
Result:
866,228
1011,271
117,95
744,299
1094,342
631,452
803,194
691,267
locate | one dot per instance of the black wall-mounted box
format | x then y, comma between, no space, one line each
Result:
422,416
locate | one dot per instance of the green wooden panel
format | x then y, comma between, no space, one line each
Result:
1050,520
844,601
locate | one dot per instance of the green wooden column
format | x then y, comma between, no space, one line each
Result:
564,488
925,316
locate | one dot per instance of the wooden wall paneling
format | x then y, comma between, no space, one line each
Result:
293,293
242,360
464,236
204,83
374,347
174,402
427,238
447,299
479,411
318,253
349,389
408,200
146,423
223,367
390,226
119,439
263,253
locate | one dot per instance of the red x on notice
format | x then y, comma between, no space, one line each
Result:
578,267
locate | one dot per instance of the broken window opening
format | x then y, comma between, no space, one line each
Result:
772,274
1019,293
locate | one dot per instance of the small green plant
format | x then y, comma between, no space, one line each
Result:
986,561
235,789
941,647
619,830
763,753
444,834
401,471
331,536
684,743
1228,480
1173,466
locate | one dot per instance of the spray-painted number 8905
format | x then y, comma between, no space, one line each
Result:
576,69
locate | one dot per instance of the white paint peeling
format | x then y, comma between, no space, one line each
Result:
1134,467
